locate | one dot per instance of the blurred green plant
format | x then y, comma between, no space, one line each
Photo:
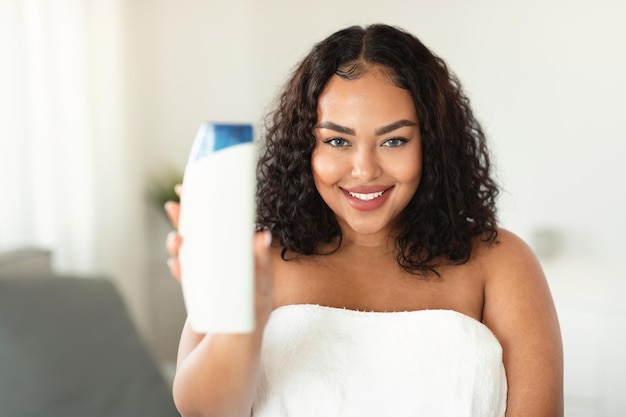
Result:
160,187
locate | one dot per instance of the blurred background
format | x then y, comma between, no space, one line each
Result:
100,100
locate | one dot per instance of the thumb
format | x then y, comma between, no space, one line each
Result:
263,261
262,243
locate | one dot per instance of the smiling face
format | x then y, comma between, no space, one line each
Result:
367,161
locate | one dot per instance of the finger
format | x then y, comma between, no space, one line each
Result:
262,243
178,188
263,260
172,243
264,278
174,267
172,209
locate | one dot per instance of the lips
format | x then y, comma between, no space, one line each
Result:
366,198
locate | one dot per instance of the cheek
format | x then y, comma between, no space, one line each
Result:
417,172
408,171
418,164
325,169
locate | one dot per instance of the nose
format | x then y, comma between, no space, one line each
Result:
365,166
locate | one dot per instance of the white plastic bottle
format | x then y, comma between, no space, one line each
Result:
216,224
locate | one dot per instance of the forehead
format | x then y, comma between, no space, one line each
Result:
372,96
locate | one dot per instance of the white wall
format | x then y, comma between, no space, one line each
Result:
546,78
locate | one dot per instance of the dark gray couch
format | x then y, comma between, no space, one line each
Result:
68,347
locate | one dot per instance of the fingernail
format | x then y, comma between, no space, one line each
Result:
267,238
177,189
167,206
170,262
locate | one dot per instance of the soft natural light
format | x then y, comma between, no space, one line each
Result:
70,181
96,96
49,140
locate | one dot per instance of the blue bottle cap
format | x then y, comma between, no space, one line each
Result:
212,137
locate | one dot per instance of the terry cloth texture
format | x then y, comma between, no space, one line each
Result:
326,361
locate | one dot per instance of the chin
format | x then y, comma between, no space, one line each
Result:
366,229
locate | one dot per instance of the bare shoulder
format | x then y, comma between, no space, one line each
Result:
519,309
515,285
507,250
514,281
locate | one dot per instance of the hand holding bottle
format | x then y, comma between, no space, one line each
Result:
264,283
224,366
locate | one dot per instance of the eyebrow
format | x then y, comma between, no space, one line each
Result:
336,128
380,131
393,126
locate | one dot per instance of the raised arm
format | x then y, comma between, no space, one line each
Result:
217,374
520,311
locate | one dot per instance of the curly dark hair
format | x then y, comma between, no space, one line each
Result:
456,199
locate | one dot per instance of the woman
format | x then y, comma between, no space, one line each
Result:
384,286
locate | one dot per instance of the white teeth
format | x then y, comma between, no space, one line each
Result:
366,197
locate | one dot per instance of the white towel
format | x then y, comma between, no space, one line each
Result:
325,361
